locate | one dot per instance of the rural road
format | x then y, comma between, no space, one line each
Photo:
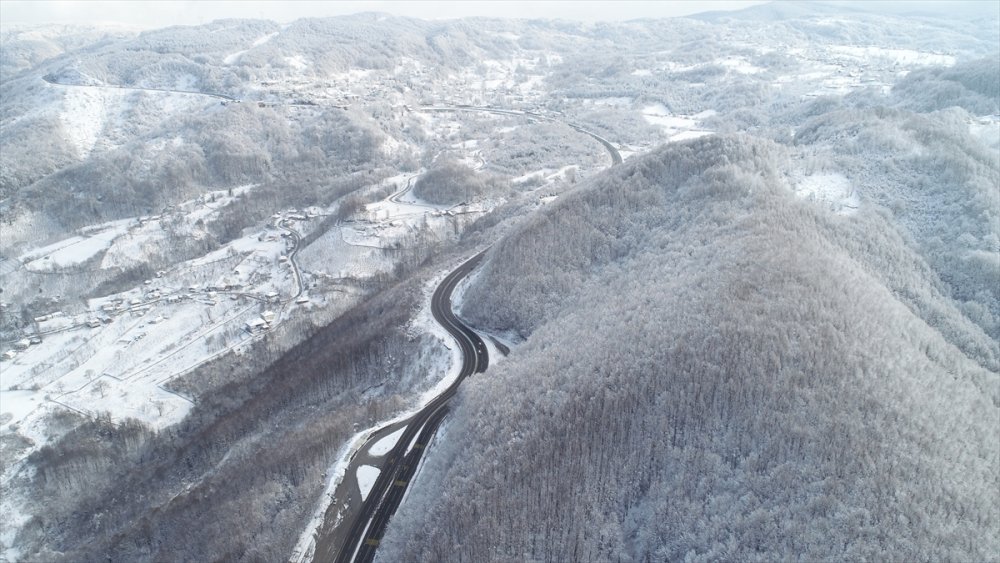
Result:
358,537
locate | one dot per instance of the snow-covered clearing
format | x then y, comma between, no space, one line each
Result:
383,446
145,235
351,76
19,440
740,66
532,84
832,191
894,56
367,475
74,250
117,354
688,135
19,403
676,127
85,112
235,57
986,130
658,114
298,62
619,102
232,58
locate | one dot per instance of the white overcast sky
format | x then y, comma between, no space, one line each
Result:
161,13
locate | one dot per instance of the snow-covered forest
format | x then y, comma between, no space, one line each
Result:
746,266
714,369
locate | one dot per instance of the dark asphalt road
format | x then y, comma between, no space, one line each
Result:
400,465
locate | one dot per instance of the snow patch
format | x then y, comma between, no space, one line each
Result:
367,475
84,113
298,62
386,444
740,66
688,135
676,127
987,131
832,191
233,57
19,403
74,250
895,56
617,102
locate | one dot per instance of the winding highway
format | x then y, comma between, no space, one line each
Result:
358,541
357,537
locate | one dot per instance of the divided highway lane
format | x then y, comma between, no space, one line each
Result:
401,463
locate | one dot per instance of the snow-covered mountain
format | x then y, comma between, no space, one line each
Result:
770,333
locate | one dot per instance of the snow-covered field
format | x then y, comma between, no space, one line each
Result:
117,355
907,57
74,250
85,112
367,475
383,446
676,127
233,58
986,130
832,191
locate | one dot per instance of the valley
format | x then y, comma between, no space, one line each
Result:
253,274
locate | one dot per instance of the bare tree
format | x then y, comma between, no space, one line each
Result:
101,387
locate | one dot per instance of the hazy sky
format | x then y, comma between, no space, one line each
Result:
160,13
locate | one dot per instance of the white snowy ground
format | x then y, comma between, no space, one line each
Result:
234,58
149,335
367,475
383,446
94,118
830,191
84,113
169,325
986,130
902,57
676,127
74,250
156,331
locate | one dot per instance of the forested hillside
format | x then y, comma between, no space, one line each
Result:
746,266
717,369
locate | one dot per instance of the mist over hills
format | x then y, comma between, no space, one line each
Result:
772,332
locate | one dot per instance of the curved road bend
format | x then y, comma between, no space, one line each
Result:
400,464
297,245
